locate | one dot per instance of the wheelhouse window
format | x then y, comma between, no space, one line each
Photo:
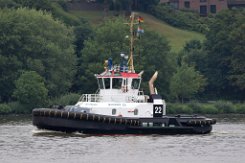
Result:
100,83
107,83
135,83
116,83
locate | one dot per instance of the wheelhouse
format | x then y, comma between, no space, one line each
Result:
125,81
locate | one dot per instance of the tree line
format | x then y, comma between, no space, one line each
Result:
45,54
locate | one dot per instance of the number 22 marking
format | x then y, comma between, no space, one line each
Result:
158,109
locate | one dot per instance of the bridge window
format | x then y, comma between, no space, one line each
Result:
116,83
135,83
107,83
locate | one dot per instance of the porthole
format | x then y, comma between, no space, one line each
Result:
136,111
144,124
150,124
114,111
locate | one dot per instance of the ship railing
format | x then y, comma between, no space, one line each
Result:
90,98
113,98
137,99
120,68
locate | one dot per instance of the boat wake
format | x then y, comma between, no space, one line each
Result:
49,133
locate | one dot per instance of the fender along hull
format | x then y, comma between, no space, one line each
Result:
60,120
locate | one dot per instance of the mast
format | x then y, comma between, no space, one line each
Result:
131,59
132,38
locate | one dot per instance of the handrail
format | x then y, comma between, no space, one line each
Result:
90,98
98,98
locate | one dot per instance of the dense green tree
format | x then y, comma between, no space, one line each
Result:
221,58
225,60
82,29
186,82
193,44
183,19
118,5
194,55
8,4
153,54
30,90
237,72
33,40
41,4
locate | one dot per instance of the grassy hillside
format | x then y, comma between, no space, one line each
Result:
177,37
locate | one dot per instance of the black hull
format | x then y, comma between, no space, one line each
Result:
59,120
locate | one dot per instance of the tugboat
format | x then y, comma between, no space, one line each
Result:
120,107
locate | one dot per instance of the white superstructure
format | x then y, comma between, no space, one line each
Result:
119,95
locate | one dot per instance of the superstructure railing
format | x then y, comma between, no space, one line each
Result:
90,98
113,98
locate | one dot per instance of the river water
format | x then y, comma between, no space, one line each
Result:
21,142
